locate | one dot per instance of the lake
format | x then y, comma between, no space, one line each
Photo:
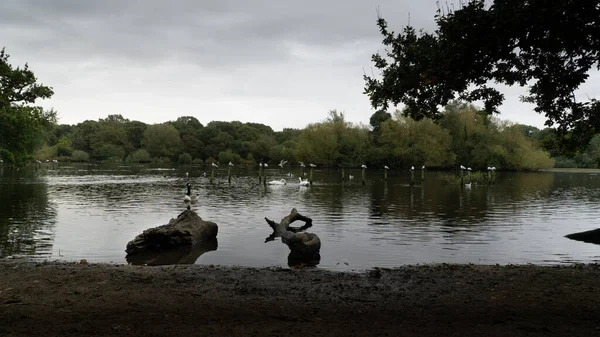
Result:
83,211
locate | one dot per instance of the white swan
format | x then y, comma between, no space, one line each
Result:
303,182
277,182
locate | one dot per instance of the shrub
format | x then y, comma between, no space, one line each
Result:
139,156
185,159
80,156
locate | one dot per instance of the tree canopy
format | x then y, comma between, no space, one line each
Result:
550,46
23,126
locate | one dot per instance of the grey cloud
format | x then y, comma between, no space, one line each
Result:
210,33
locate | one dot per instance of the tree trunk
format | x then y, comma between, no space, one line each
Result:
304,247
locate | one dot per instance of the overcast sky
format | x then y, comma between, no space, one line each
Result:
279,62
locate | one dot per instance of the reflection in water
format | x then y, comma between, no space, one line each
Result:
91,212
183,255
27,217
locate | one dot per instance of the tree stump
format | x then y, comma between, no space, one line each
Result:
304,247
182,240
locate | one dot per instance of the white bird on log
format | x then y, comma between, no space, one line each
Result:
363,166
462,167
386,167
231,164
214,165
412,168
312,165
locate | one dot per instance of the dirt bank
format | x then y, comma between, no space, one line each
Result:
59,299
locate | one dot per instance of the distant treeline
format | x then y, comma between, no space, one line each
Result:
464,135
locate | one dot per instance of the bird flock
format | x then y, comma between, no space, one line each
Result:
191,198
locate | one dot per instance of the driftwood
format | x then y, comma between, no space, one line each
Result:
592,236
179,241
304,247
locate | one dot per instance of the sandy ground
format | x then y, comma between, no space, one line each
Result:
67,299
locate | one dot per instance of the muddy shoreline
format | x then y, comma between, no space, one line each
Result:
70,299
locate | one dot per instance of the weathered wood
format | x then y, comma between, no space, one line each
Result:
185,231
304,247
592,236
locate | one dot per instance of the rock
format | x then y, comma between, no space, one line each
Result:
187,231
592,236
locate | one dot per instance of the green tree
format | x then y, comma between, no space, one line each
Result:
162,140
23,126
549,45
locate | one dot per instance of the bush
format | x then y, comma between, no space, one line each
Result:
564,162
80,156
45,152
161,161
185,159
139,156
7,156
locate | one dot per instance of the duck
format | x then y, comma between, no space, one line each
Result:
303,182
277,182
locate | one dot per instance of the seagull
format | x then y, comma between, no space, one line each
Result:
422,168
363,166
214,165
412,168
312,165
468,186
493,168
266,165
462,167
303,182
468,169
282,162
231,164
489,168
386,167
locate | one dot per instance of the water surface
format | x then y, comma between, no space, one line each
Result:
92,211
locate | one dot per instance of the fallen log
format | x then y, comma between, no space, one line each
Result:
592,236
180,240
304,247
